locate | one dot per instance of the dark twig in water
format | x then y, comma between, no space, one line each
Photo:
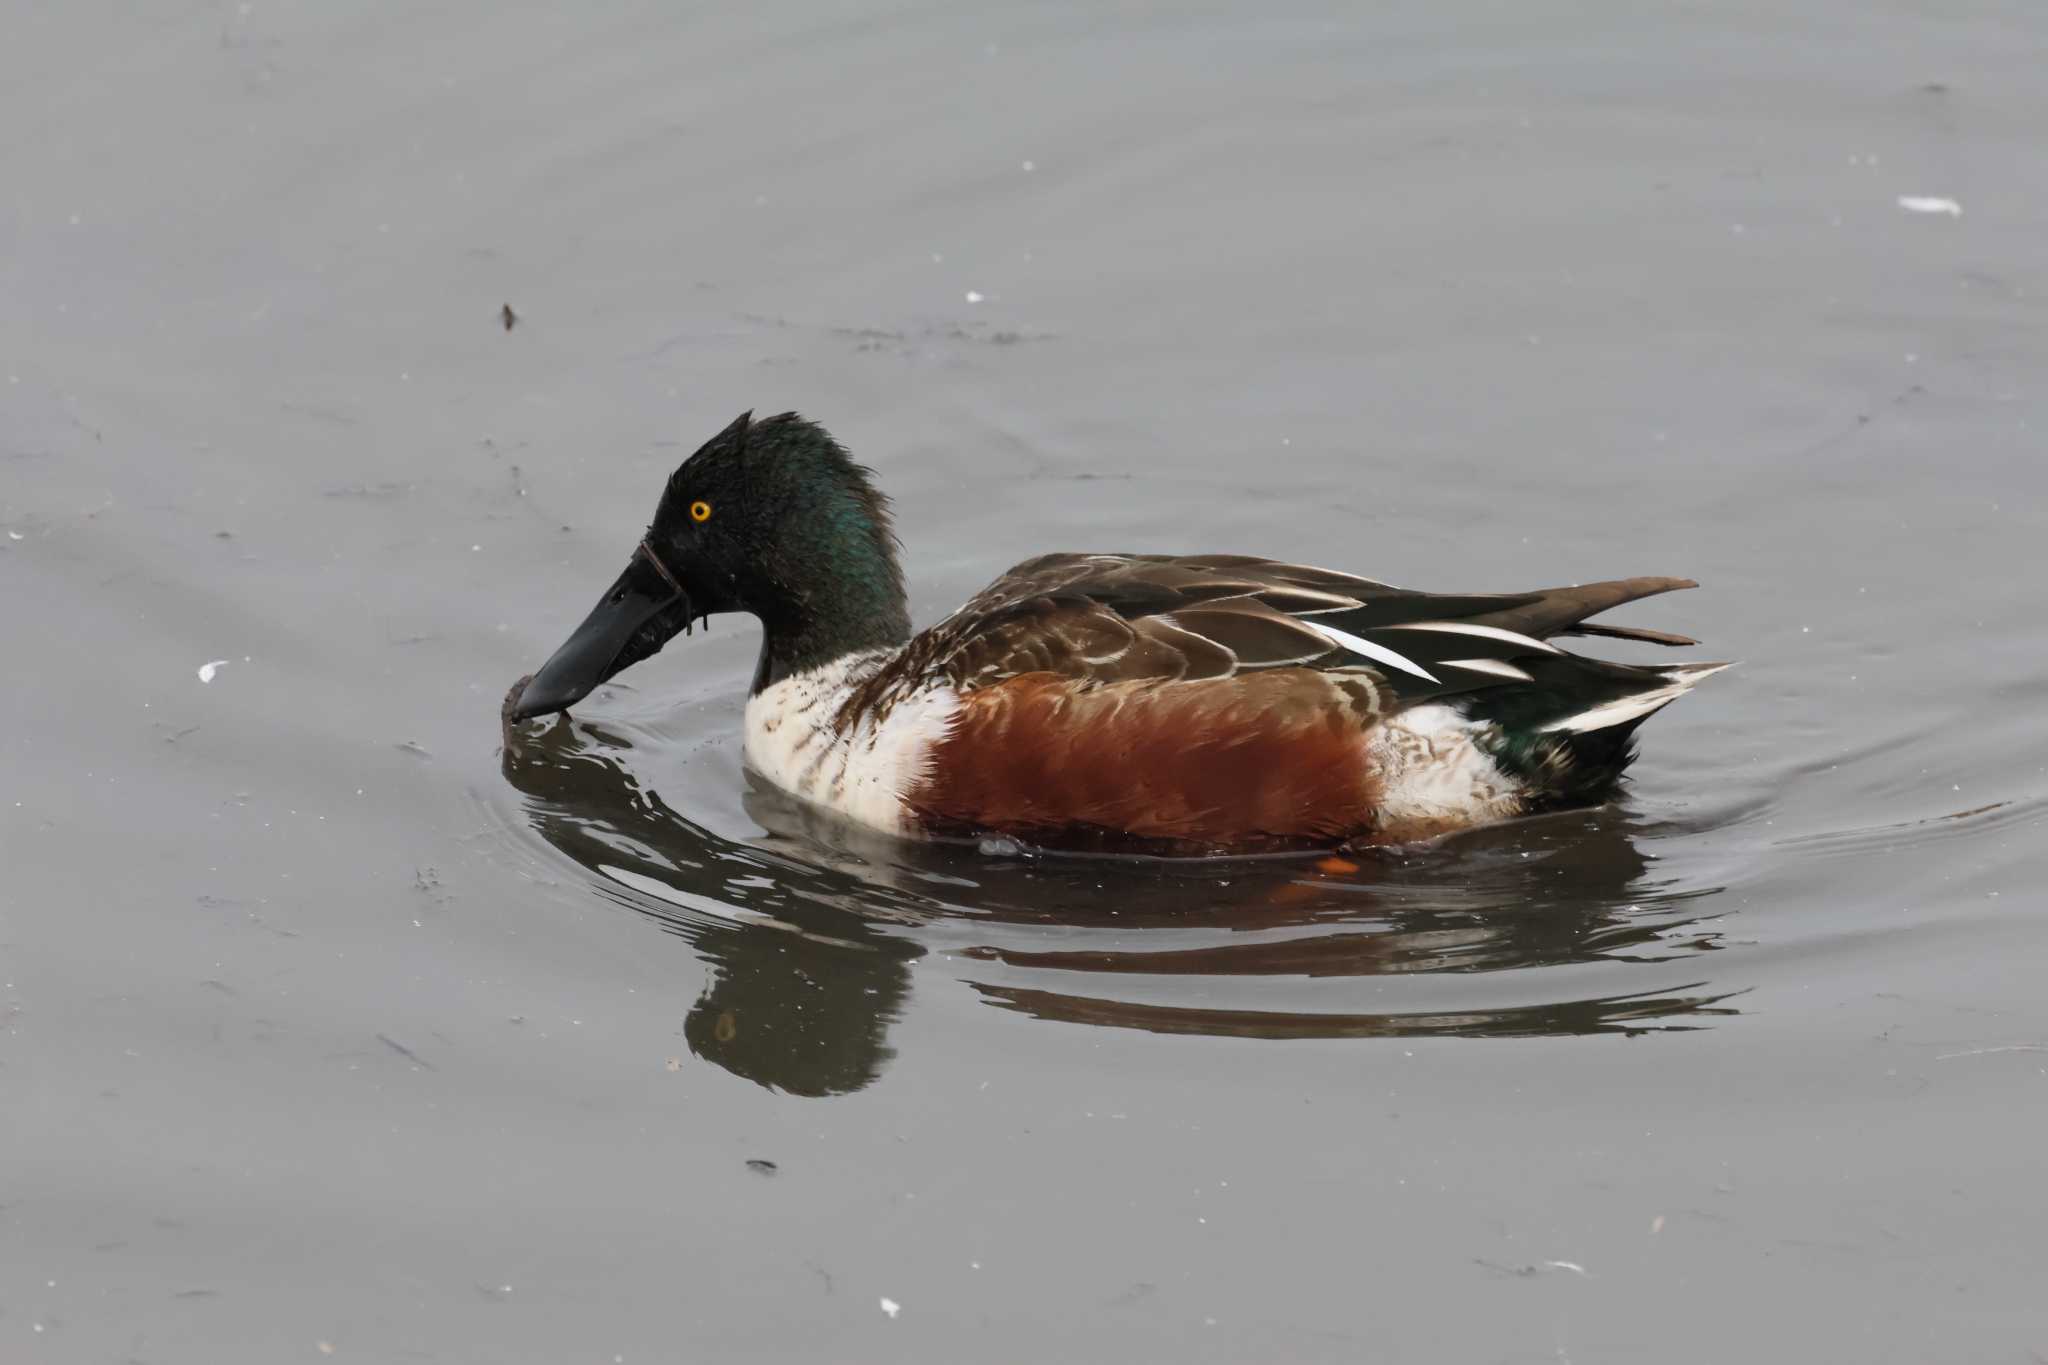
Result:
402,1050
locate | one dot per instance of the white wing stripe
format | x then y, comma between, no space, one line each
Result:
1484,632
1493,666
1681,679
1367,648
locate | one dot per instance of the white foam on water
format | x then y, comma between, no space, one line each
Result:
1928,203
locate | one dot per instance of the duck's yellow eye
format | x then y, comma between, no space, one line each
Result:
700,511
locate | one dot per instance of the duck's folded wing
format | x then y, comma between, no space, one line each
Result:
1111,618
1116,618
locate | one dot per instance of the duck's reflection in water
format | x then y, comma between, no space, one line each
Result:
810,930
808,968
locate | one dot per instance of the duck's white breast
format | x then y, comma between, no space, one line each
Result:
1432,770
863,773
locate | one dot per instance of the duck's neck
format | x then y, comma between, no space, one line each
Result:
855,613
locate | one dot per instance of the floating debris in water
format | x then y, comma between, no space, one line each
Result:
891,1307
402,1050
762,1166
207,670
975,296
508,317
995,846
1530,1271
1927,203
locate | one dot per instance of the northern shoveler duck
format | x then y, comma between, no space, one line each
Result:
1187,704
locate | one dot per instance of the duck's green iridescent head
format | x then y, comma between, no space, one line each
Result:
769,517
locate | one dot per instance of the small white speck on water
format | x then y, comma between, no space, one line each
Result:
14,535
891,1307
975,296
938,258
1030,165
474,548
207,670
974,1265
1930,203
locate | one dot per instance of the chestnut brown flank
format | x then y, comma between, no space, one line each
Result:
1275,757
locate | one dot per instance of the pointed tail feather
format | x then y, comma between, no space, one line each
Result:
1673,683
1648,637
1556,611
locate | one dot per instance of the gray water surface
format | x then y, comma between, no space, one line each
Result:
336,1028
